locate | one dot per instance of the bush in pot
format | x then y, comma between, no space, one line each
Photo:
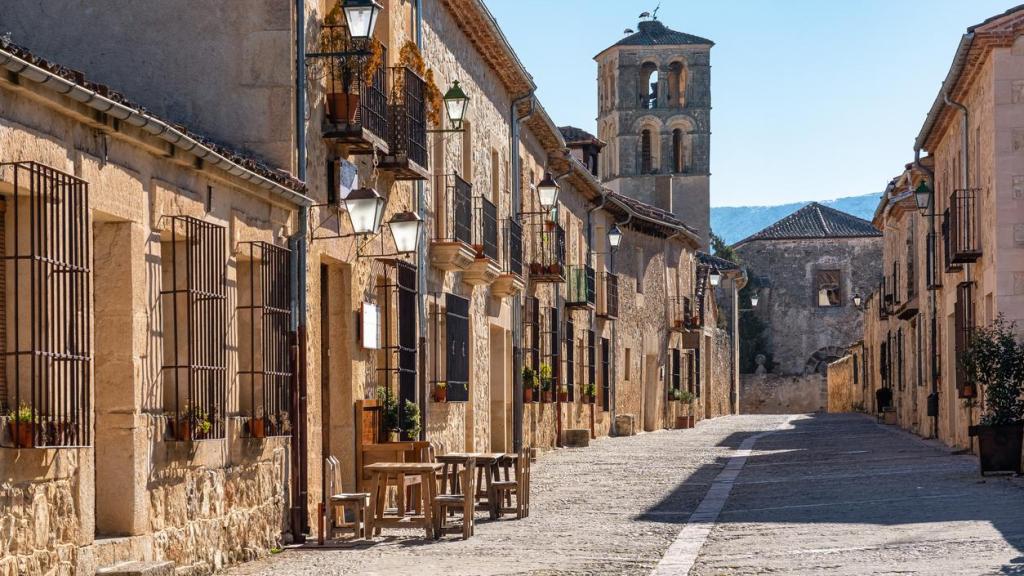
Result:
589,392
388,414
410,420
21,426
994,360
529,383
545,383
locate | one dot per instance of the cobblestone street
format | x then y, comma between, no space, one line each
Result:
824,494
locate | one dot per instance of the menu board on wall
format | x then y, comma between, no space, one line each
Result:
371,326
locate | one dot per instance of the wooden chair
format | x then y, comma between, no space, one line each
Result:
517,486
462,498
337,501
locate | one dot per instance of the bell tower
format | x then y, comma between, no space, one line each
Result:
654,113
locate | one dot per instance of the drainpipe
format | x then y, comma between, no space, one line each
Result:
933,397
517,300
298,245
421,267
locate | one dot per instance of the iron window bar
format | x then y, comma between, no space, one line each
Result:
455,372
485,229
677,378
964,226
551,354
611,296
531,336
48,317
407,137
194,293
355,88
399,338
606,380
592,360
934,273
513,260
457,225
267,339
964,320
570,359
947,243
582,286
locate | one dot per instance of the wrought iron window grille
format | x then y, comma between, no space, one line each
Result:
513,258
399,350
582,286
964,226
485,229
606,379
194,306
451,327
570,359
548,254
407,106
265,343
46,236
611,296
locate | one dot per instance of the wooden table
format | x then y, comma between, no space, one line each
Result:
487,471
380,473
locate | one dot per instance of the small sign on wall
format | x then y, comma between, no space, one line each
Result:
371,326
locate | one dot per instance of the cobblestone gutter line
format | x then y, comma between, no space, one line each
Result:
682,554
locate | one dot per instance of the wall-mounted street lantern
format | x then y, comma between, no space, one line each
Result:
365,209
753,300
361,17
456,102
857,300
923,196
715,277
405,229
615,236
547,192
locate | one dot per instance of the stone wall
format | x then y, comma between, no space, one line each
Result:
778,394
720,392
843,394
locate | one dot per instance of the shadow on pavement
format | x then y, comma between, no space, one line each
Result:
846,469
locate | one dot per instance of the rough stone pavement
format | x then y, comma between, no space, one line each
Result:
830,494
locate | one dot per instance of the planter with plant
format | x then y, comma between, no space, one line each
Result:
346,75
994,362
685,398
546,384
440,391
589,393
529,383
410,421
563,393
257,425
21,427
390,426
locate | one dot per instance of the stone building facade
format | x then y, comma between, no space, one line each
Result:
654,113
943,281
359,316
806,270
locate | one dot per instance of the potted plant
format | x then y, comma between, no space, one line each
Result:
440,391
21,426
344,72
545,383
589,392
529,383
563,393
257,425
994,361
410,420
675,394
555,269
686,398
201,423
536,268
388,413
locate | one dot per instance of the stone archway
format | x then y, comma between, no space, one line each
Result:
819,361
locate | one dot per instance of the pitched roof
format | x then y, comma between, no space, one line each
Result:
574,135
648,211
72,83
816,221
654,33
716,261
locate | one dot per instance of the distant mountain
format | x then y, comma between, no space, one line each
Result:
734,223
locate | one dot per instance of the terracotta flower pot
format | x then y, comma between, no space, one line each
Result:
555,269
535,268
440,394
588,399
23,436
342,107
563,396
257,427
528,394
546,397
181,430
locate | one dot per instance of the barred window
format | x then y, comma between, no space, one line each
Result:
45,306
193,305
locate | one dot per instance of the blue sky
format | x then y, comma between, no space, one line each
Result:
812,100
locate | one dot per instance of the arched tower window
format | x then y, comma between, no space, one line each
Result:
677,77
678,152
645,151
648,85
